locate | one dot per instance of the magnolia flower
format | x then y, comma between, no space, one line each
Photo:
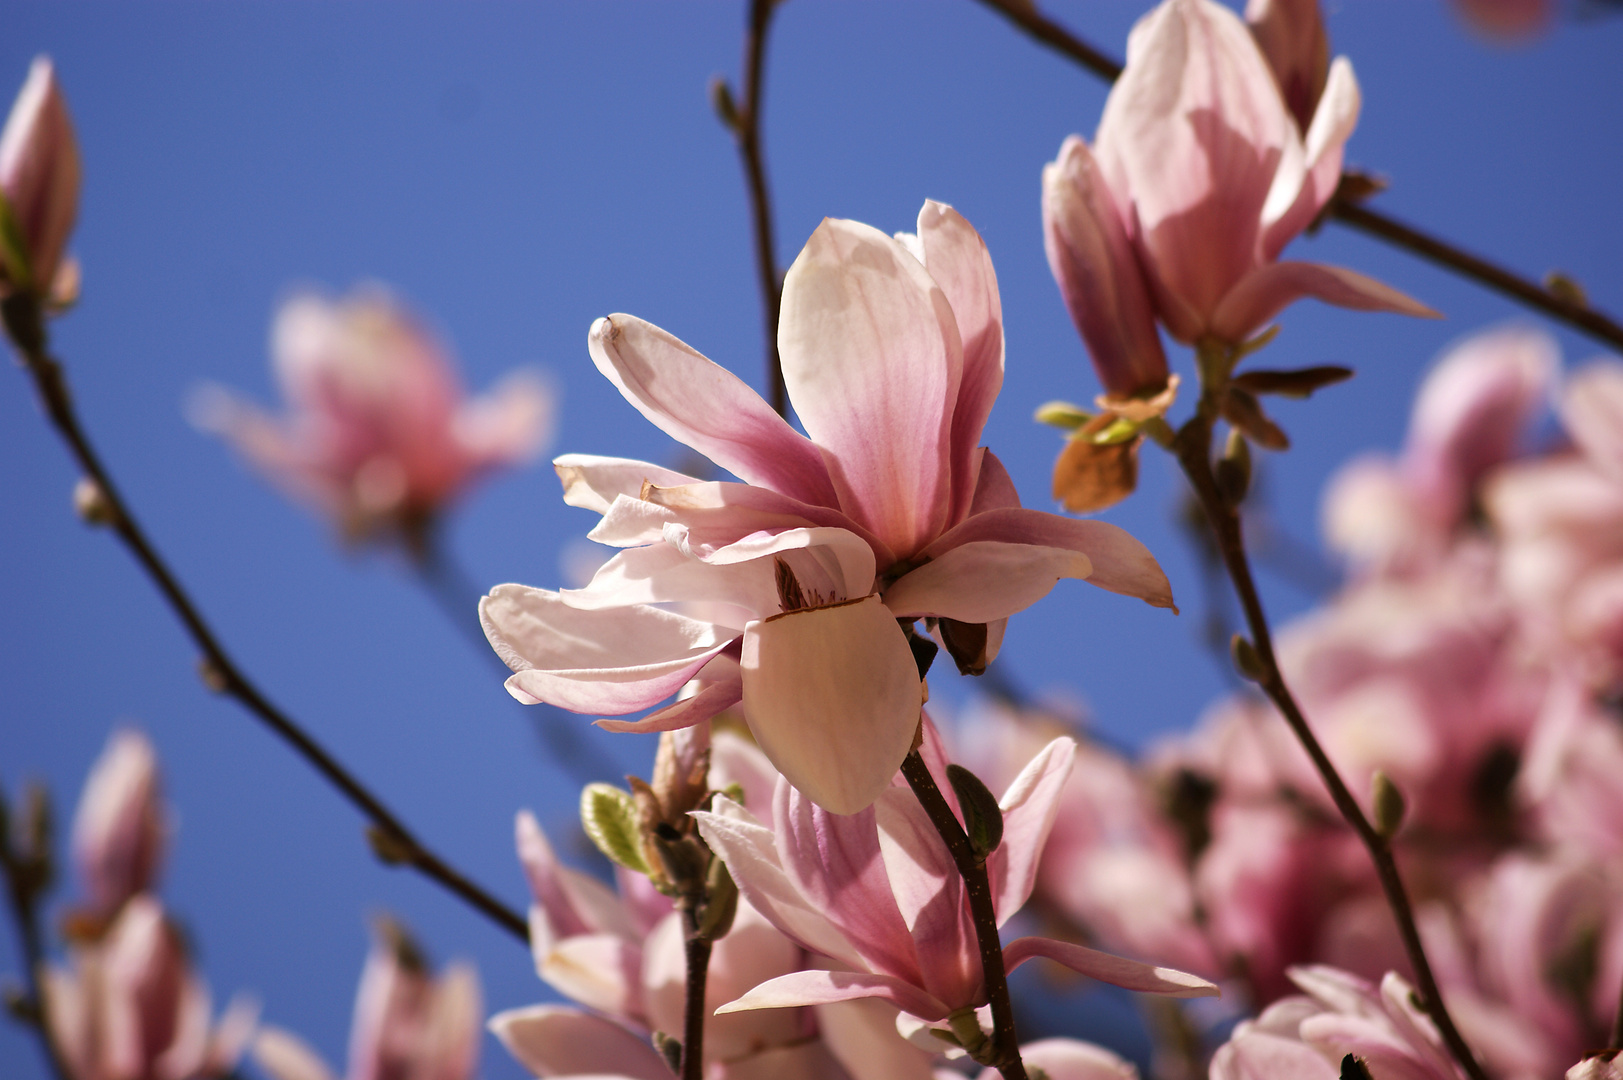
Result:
1212,177
407,1023
789,587
132,1009
878,894
380,437
120,827
39,177
1306,1038
1291,35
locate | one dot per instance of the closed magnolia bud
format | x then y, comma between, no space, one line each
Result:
119,829
1246,659
1390,806
39,176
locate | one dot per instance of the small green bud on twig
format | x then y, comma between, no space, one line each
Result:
1390,805
90,502
213,676
1063,415
609,817
983,818
1247,661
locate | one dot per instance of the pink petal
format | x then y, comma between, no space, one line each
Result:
1116,970
1192,134
663,574
40,173
1029,806
1291,35
1254,1055
984,580
508,424
702,404
1592,410
833,696
1098,274
724,512
838,563
1268,290
450,1048
613,661
1307,180
553,1040
592,482
862,1036
574,903
285,1056
120,828
1070,1059
956,257
821,987
750,851
599,971
873,362
712,698
1120,563
994,490
929,893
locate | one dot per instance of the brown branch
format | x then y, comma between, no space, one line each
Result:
23,886
694,1013
1616,1042
396,843
1005,1055
745,123
1024,14
1193,446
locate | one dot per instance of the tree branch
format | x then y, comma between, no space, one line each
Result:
1024,14
1005,1056
23,886
393,841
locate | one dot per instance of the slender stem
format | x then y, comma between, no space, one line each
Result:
26,328
1024,14
747,133
1193,447
1005,1055
22,894
1616,1041
694,1013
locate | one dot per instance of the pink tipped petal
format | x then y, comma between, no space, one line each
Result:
284,1056
120,828
612,661
750,851
822,987
833,697
1116,970
1193,132
574,903
724,512
839,559
1295,202
508,424
984,580
711,699
554,1040
956,257
663,574
702,404
873,362
1120,563
1098,273
994,489
862,1036
1270,289
40,174
929,893
1256,1055
592,482
1028,807
1291,35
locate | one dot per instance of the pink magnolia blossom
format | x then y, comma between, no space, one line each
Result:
39,178
131,1008
878,894
784,592
1603,1066
379,437
1291,35
1572,775
1306,1037
408,1024
1213,177
120,828
1071,1059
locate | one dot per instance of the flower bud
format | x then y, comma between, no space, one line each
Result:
39,176
1291,35
119,829
610,819
983,818
1246,659
91,504
1390,806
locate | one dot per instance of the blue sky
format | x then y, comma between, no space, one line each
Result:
516,170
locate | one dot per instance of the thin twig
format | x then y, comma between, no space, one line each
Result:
1005,1056
1194,448
23,890
1353,214
24,324
746,128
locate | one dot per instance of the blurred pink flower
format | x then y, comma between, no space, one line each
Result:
878,893
1070,1059
1291,35
39,178
1572,776
131,1008
408,1024
1507,19
121,827
791,585
379,437
1213,177
1306,1038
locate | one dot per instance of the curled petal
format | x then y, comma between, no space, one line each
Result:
1307,179
821,987
592,482
553,1040
873,362
613,661
712,698
984,580
994,490
833,697
1592,409
1259,1055
1116,970
1270,289
702,404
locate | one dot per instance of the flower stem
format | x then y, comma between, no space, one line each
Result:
693,1010
1194,449
1005,1052
1024,14
25,325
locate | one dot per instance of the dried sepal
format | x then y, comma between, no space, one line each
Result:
1300,383
1089,477
1244,411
